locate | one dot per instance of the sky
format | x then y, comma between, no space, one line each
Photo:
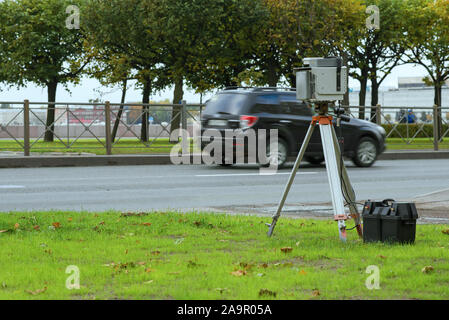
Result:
92,89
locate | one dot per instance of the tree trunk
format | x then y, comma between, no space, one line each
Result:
437,101
176,113
374,98
120,111
145,100
50,125
273,77
362,97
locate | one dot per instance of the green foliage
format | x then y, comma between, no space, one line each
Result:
36,45
428,44
402,129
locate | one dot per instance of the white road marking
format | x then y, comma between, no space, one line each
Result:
11,187
248,174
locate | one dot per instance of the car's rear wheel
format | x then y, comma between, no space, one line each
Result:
366,152
277,157
314,159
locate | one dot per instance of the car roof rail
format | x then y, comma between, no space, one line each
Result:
237,87
260,89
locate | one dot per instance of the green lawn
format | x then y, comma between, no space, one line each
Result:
415,144
167,255
163,146
125,146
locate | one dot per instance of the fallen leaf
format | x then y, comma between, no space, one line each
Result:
155,253
266,292
315,292
382,257
286,249
101,223
221,290
146,224
445,231
36,227
69,219
56,225
16,226
141,263
239,273
148,270
427,269
302,272
264,265
245,265
37,291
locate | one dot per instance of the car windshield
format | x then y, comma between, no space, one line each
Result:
231,103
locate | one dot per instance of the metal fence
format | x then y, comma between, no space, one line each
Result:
407,126
89,126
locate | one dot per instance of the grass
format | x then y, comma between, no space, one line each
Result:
125,146
415,144
169,255
163,146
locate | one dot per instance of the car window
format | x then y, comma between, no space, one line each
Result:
232,103
296,106
271,99
301,109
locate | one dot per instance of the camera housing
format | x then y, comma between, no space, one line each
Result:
321,80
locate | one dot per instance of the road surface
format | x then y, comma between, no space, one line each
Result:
144,188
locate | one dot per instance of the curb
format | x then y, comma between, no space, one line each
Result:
414,155
82,161
163,159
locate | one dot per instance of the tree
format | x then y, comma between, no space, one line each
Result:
373,53
299,28
428,45
205,43
127,31
224,55
40,47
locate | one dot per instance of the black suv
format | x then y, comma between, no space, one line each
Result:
278,108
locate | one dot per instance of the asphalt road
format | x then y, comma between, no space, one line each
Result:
143,188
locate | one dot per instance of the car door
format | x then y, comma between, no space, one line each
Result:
300,115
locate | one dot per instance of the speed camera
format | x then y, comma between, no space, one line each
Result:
321,80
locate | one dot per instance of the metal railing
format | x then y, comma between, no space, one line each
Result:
408,128
23,125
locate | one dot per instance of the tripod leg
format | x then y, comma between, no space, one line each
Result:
334,177
347,189
302,151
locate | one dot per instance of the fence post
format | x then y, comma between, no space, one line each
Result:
26,128
378,114
184,135
435,128
107,110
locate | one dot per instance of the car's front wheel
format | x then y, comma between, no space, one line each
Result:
366,152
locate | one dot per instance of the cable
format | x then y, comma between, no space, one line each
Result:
343,186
